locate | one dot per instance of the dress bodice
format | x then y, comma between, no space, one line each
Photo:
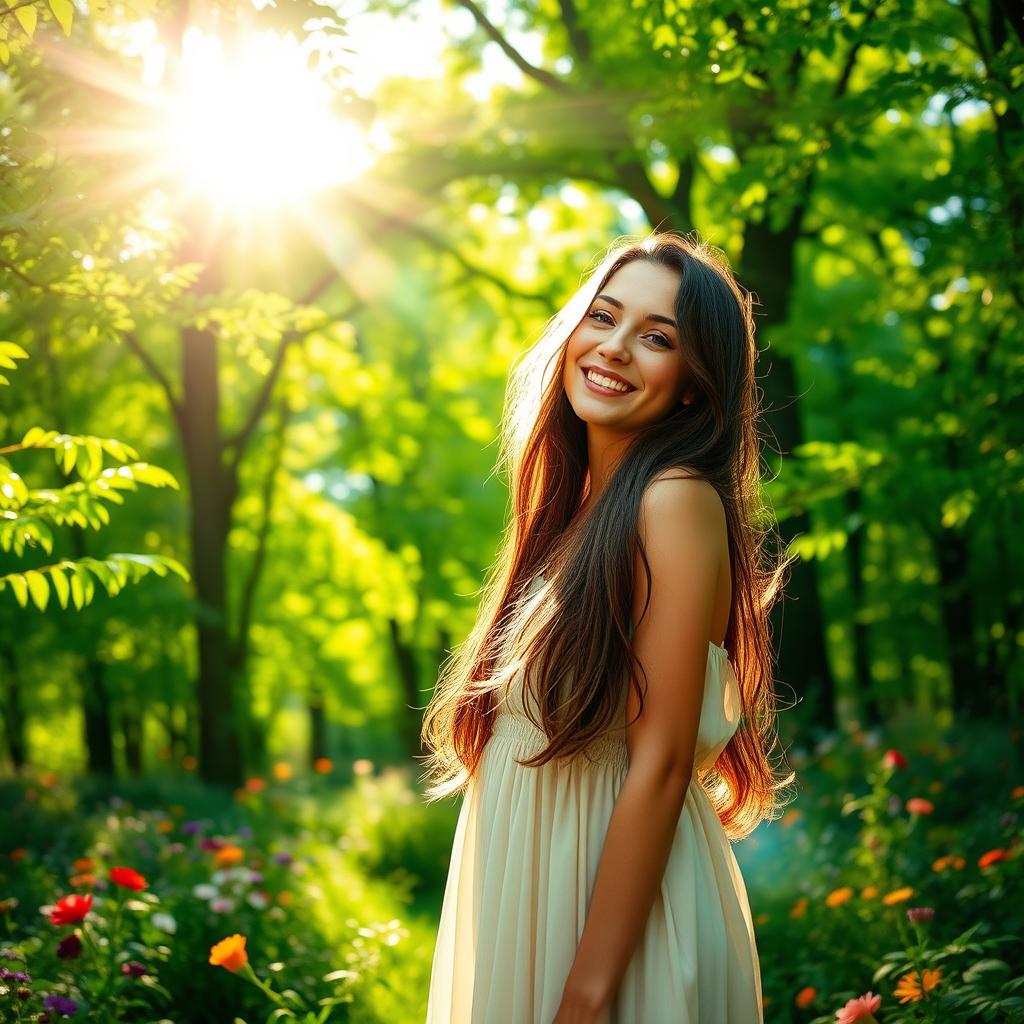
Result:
719,718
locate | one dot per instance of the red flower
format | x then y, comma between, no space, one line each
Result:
894,759
71,909
127,878
991,858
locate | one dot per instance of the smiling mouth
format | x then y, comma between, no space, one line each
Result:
600,389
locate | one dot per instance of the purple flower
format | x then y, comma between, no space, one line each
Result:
283,857
134,968
10,954
8,975
60,1004
69,947
245,832
190,828
917,915
210,844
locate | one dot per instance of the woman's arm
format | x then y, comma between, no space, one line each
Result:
684,531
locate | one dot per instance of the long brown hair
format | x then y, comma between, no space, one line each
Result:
575,629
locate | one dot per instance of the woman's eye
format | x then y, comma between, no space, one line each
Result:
598,313
661,339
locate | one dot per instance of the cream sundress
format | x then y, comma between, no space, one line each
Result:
524,859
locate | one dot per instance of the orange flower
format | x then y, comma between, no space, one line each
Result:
128,878
935,787
282,771
791,817
761,919
949,861
285,898
1017,792
897,896
189,763
910,988
799,908
918,805
47,779
165,826
838,897
71,909
230,953
255,785
869,892
85,878
228,855
805,996
18,854
362,766
84,864
323,765
992,857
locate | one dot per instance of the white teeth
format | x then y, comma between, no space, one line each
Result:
607,381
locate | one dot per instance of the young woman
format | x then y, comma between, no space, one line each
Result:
609,719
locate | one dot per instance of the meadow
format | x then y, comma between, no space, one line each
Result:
889,889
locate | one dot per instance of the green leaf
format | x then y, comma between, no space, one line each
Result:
38,588
63,11
27,19
60,585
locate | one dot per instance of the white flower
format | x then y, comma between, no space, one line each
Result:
258,900
205,891
165,922
222,905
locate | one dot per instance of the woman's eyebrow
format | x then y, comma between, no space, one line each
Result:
650,316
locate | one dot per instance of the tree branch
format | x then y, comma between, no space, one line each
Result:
240,644
537,74
394,220
157,374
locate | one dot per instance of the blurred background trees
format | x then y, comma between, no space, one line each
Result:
295,274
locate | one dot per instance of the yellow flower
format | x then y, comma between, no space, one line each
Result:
838,897
282,771
869,892
897,896
230,953
910,989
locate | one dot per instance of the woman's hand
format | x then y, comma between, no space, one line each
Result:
578,1008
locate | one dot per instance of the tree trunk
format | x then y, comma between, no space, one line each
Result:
869,710
798,625
317,727
96,717
219,750
14,710
411,718
131,729
970,694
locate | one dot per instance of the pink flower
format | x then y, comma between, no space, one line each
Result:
861,1008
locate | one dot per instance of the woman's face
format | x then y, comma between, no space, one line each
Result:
629,332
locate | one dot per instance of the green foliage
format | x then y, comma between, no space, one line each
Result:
320,934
